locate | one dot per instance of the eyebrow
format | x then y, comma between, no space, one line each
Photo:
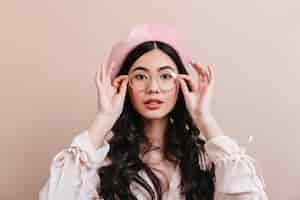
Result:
160,68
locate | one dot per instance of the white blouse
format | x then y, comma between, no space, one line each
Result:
73,172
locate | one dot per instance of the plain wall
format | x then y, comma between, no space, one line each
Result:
50,51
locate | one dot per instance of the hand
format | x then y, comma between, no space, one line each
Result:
198,100
111,94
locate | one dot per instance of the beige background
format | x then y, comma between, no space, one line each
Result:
50,51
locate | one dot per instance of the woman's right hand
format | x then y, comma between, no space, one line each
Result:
111,97
111,94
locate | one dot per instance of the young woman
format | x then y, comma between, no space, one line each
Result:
154,136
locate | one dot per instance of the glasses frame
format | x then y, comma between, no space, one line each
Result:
174,74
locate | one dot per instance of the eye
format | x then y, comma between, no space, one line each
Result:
166,76
140,76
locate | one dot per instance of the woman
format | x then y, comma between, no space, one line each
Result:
145,142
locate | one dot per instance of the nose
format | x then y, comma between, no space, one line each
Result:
153,86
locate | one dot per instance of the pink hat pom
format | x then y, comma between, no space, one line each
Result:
145,32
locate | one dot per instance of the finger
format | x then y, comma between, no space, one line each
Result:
103,72
100,72
110,69
189,80
184,87
204,74
95,78
208,73
123,86
211,73
117,81
123,89
198,69
98,75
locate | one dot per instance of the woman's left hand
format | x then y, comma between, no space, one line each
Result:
198,100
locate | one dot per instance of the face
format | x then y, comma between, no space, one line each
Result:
157,65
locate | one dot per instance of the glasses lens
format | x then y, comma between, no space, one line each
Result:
167,80
140,80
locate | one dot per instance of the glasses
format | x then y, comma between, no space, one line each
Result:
140,80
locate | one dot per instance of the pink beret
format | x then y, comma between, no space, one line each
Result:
140,33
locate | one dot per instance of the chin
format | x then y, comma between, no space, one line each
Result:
153,114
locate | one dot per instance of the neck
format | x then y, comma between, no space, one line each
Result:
155,130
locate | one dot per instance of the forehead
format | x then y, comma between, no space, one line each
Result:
153,60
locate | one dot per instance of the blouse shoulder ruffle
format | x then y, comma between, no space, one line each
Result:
235,170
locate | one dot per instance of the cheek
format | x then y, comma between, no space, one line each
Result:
171,97
135,98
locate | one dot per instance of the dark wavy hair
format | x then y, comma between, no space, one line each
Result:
183,146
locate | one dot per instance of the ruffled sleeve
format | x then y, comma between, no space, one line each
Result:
236,174
73,171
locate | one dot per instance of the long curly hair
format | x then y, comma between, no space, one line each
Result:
183,146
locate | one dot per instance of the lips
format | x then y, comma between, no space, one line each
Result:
153,104
153,101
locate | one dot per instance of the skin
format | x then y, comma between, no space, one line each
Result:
198,104
111,96
156,120
198,101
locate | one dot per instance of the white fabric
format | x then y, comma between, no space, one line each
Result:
73,172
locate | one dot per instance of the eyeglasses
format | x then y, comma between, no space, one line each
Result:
140,80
